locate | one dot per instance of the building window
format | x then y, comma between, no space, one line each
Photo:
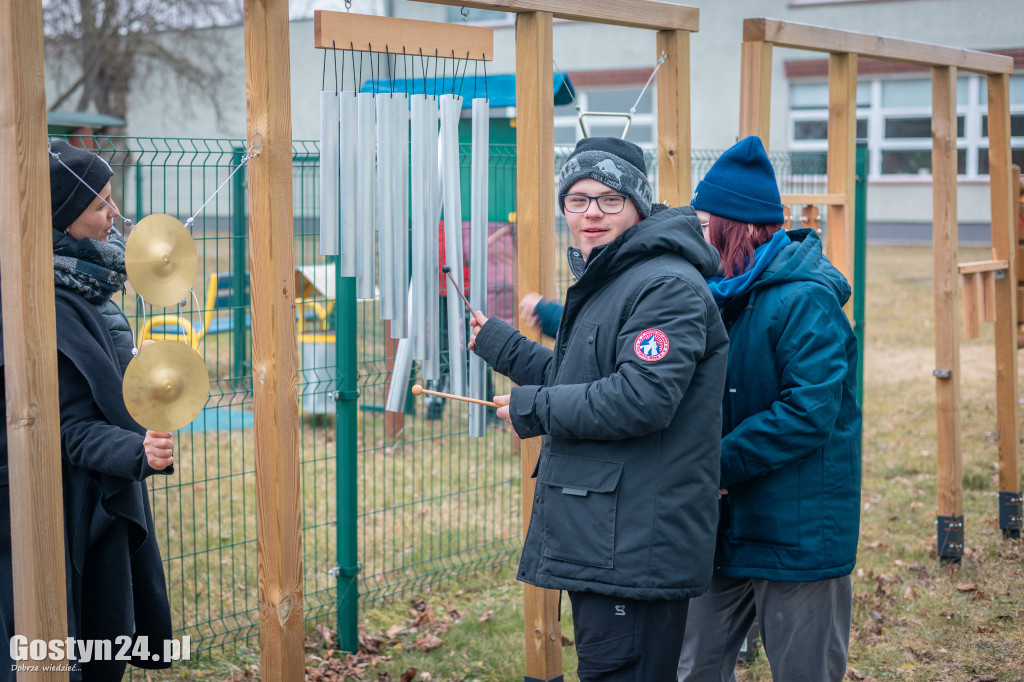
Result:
894,116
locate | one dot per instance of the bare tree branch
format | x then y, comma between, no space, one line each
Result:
111,47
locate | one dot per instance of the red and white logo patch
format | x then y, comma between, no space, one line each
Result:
651,345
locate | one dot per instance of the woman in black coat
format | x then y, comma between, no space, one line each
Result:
115,583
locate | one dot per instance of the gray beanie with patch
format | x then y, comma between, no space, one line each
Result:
613,162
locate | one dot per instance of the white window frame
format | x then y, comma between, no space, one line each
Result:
972,141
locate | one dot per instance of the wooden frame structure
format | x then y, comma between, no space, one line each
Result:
31,381
843,48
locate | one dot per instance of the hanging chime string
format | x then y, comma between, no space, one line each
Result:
323,75
568,88
250,153
465,66
355,82
657,66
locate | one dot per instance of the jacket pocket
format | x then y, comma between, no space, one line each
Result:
768,510
581,499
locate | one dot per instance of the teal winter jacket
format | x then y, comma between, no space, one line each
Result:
791,426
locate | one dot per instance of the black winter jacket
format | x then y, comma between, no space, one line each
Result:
629,404
115,577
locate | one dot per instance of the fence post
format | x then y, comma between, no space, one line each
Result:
860,240
345,433
239,259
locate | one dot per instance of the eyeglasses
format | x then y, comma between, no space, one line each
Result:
608,203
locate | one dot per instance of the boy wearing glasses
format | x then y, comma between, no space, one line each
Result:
628,404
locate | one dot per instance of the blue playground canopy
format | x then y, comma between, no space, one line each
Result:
500,89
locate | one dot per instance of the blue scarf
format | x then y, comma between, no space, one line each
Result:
724,289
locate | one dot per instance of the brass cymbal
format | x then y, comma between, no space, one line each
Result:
161,259
166,386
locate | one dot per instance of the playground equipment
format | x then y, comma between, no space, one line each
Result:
29,283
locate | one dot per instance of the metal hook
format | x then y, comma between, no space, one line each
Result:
465,15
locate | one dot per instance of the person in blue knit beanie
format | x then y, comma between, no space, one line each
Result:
790,466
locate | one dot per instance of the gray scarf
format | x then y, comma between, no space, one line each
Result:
91,268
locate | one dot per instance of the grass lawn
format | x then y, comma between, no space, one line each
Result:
914,618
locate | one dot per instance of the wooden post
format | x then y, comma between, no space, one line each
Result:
1004,247
535,207
274,364
674,142
950,521
30,340
841,159
755,89
969,296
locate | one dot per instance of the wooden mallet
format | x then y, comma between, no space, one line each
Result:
448,271
418,390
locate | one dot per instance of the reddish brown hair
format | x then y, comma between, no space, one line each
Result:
735,245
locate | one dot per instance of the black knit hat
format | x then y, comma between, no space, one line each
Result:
613,162
68,197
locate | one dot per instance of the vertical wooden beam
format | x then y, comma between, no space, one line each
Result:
274,365
535,206
947,336
842,159
755,89
674,142
1004,247
30,340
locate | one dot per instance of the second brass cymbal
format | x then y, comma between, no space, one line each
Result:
161,260
166,386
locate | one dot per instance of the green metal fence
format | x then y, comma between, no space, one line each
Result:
391,503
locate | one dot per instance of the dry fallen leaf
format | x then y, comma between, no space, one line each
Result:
486,616
428,642
967,587
409,675
985,629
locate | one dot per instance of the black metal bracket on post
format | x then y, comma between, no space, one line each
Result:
950,538
560,678
1010,513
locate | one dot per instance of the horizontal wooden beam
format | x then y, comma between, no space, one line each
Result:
814,199
369,33
819,39
649,14
982,266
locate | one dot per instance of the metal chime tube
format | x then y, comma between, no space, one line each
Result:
330,156
432,359
395,401
451,106
400,213
478,257
418,210
348,216
367,211
386,205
